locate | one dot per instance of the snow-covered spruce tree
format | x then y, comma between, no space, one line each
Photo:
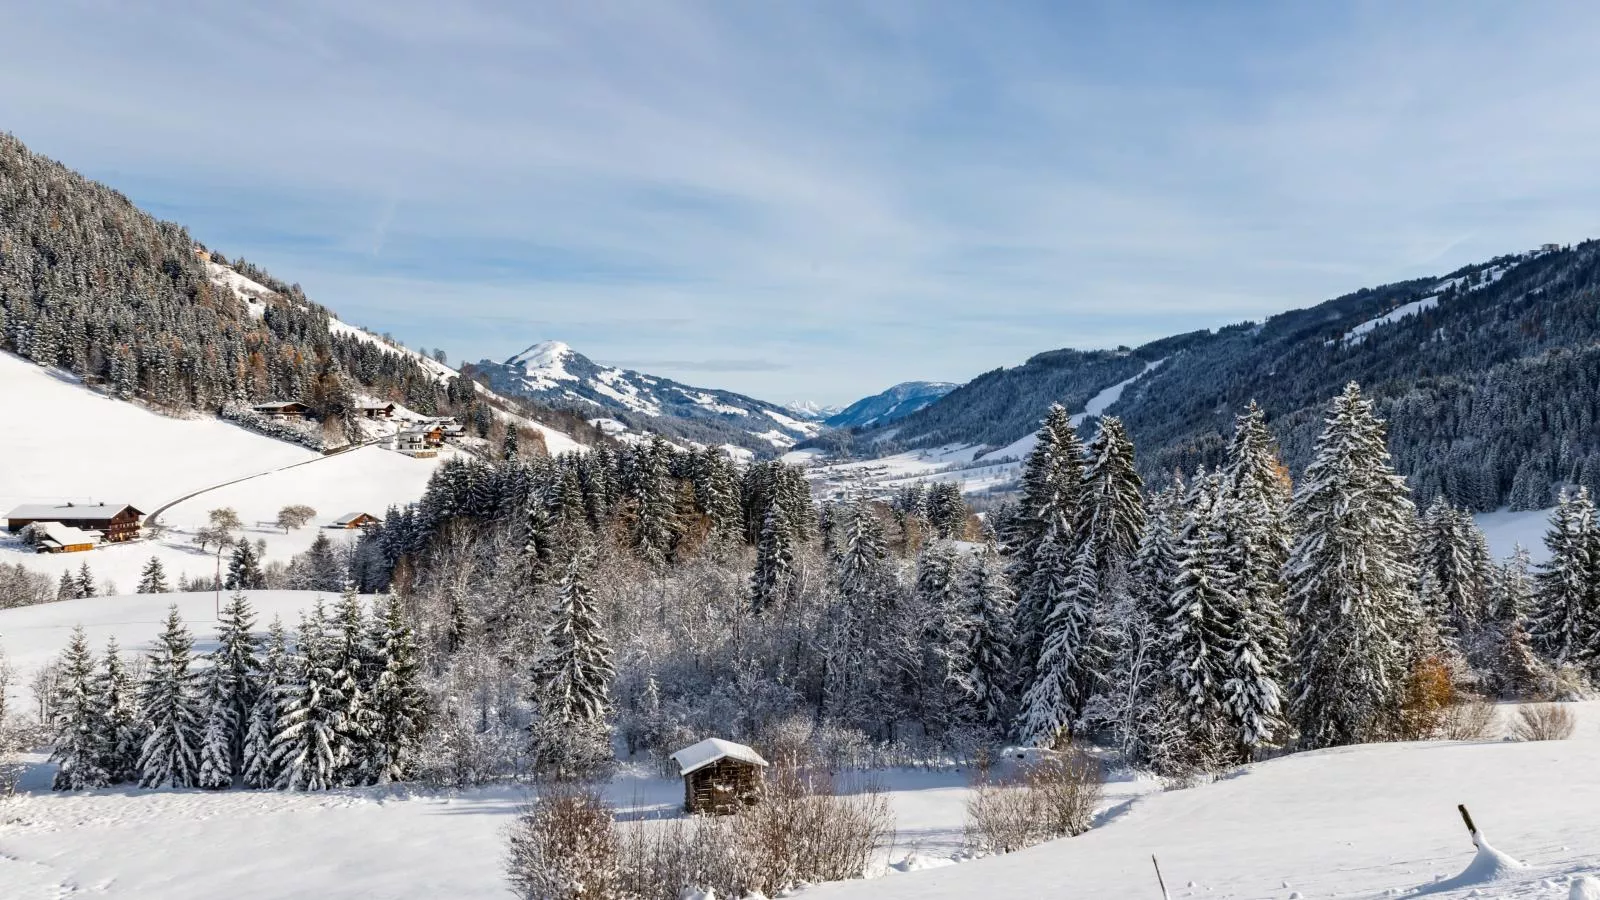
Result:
230,695
1351,583
85,581
990,680
1451,584
244,569
855,645
946,510
1136,623
1565,624
354,669
173,711
1069,587
1255,494
79,737
928,643
1111,511
772,582
121,720
397,700
571,734
1052,487
256,765
655,520
1206,615
305,748
153,579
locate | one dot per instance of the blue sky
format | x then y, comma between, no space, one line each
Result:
815,200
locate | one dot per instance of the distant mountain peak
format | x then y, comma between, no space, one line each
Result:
811,409
552,372
897,402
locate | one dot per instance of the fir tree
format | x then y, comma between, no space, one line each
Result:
76,722
1451,583
773,579
1205,617
1112,507
1566,618
397,701
1257,535
1065,673
1052,488
655,523
85,581
990,678
231,695
120,719
171,752
572,681
1350,582
257,766
244,569
305,747
353,667
153,579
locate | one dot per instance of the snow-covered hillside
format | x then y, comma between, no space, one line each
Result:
977,467
887,406
554,373
257,296
1360,822
81,445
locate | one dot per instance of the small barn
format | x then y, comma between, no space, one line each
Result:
354,520
113,521
377,410
719,776
54,537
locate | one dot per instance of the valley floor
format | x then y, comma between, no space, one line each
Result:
1363,822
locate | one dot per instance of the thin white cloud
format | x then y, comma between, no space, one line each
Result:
913,190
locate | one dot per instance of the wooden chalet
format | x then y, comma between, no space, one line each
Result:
377,410
354,520
111,521
283,409
719,776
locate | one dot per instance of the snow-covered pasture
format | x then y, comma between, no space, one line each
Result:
80,445
1359,822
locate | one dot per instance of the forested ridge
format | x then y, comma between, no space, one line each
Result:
91,284
1492,393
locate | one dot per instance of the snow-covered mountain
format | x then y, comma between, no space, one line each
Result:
553,373
811,409
897,402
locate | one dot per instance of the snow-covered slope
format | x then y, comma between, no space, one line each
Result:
895,403
80,445
257,296
976,467
810,409
555,374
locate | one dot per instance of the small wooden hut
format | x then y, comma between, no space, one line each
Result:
718,776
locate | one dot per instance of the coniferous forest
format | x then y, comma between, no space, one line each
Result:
538,616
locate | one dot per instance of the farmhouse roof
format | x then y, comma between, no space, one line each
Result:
711,750
347,518
92,512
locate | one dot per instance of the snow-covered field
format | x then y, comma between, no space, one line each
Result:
82,446
975,467
1360,822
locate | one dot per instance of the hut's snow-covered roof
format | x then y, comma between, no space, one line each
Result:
348,518
55,534
698,756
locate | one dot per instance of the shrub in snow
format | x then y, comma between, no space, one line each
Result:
1543,722
1054,796
802,830
1473,720
565,848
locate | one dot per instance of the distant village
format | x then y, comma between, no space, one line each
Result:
418,436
